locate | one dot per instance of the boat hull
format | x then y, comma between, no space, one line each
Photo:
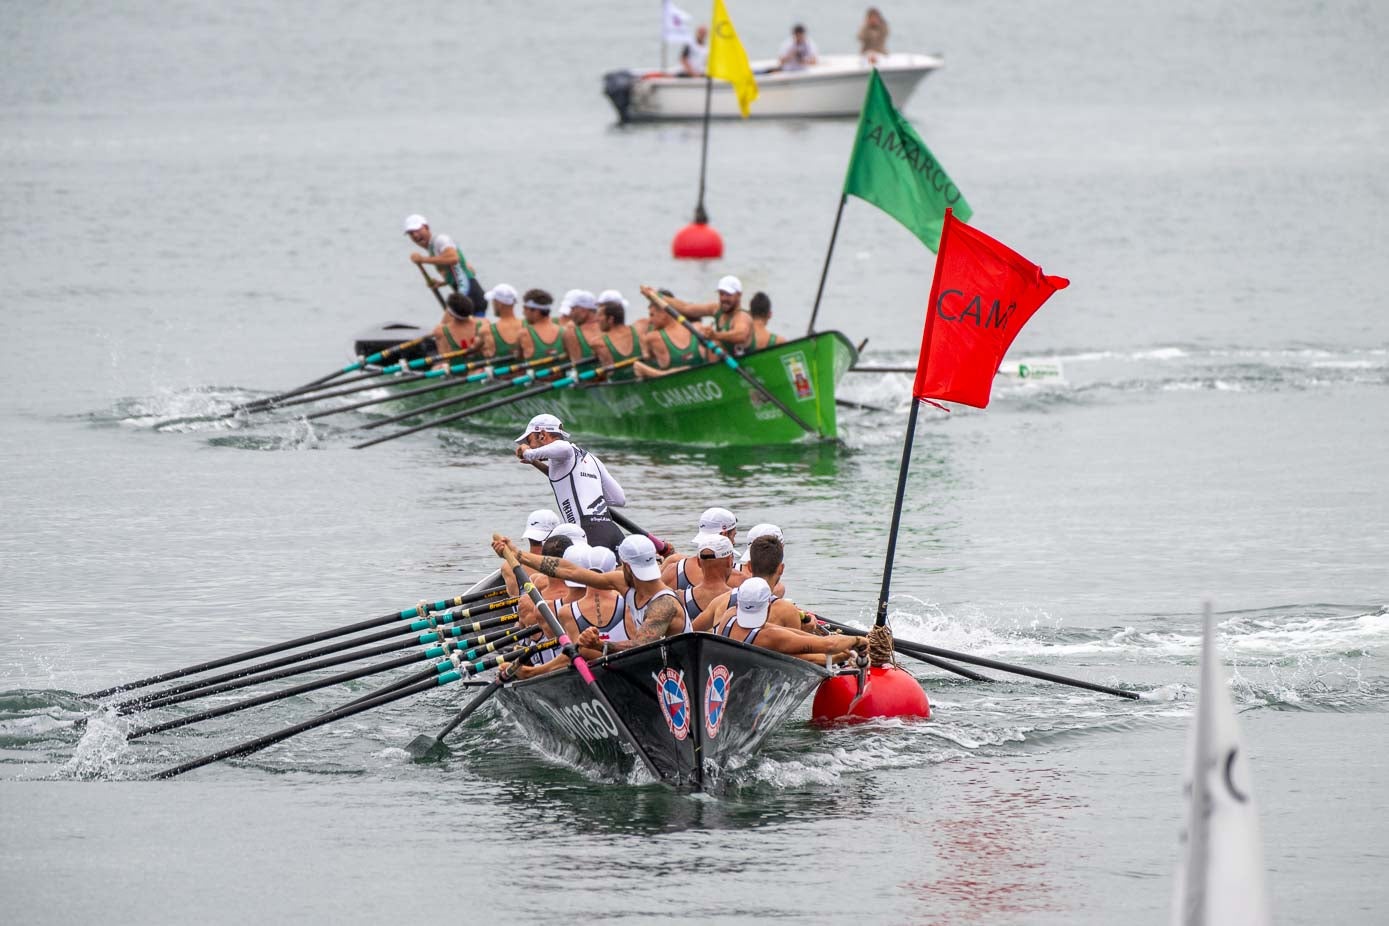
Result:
833,89
709,405
695,703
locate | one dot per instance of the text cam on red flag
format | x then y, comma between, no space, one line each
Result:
982,294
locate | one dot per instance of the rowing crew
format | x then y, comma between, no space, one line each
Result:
609,603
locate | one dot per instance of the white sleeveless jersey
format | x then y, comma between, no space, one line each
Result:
579,489
638,614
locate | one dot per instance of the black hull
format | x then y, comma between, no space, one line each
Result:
694,702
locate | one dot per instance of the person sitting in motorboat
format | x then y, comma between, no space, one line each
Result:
459,329
694,58
746,616
680,572
798,52
732,327
545,339
668,346
502,338
872,35
583,337
651,610
760,310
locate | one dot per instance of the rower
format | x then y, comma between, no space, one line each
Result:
546,340
502,337
669,345
583,488
683,571
766,566
651,611
745,618
458,330
443,254
539,524
760,310
623,341
548,660
715,552
732,325
744,570
584,337
552,546
600,608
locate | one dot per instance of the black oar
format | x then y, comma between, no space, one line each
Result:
347,710
543,369
434,652
919,649
931,660
419,610
424,746
566,382
361,363
577,662
499,367
429,281
717,350
260,678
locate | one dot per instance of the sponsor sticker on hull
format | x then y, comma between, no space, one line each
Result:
716,698
675,700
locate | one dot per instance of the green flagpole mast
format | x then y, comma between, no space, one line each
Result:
824,271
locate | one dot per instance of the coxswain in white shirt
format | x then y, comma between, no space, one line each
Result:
584,489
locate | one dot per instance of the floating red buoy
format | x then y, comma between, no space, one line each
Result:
697,241
890,692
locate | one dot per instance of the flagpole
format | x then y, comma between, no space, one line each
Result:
701,217
881,619
824,271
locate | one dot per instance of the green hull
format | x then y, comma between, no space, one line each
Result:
710,405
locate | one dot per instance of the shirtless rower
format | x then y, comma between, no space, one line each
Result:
502,338
651,611
746,617
668,344
583,488
766,566
542,337
459,329
584,337
680,572
732,325
715,552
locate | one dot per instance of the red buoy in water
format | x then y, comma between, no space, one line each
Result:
889,692
697,241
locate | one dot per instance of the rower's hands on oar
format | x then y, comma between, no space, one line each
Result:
503,547
590,639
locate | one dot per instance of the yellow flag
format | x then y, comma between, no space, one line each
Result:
728,60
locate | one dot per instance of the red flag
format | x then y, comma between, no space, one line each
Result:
982,294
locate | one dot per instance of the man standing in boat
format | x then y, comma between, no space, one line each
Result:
695,56
442,253
732,327
582,485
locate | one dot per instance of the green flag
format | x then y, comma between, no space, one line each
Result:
892,169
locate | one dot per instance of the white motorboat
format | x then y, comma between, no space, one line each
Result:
833,87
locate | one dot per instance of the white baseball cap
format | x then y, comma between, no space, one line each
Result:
730,284
760,530
601,559
638,553
583,299
716,521
717,544
611,295
567,302
754,600
415,222
502,292
573,531
539,524
578,554
540,423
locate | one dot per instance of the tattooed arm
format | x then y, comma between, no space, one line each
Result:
664,617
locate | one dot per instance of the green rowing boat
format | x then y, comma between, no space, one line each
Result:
709,405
